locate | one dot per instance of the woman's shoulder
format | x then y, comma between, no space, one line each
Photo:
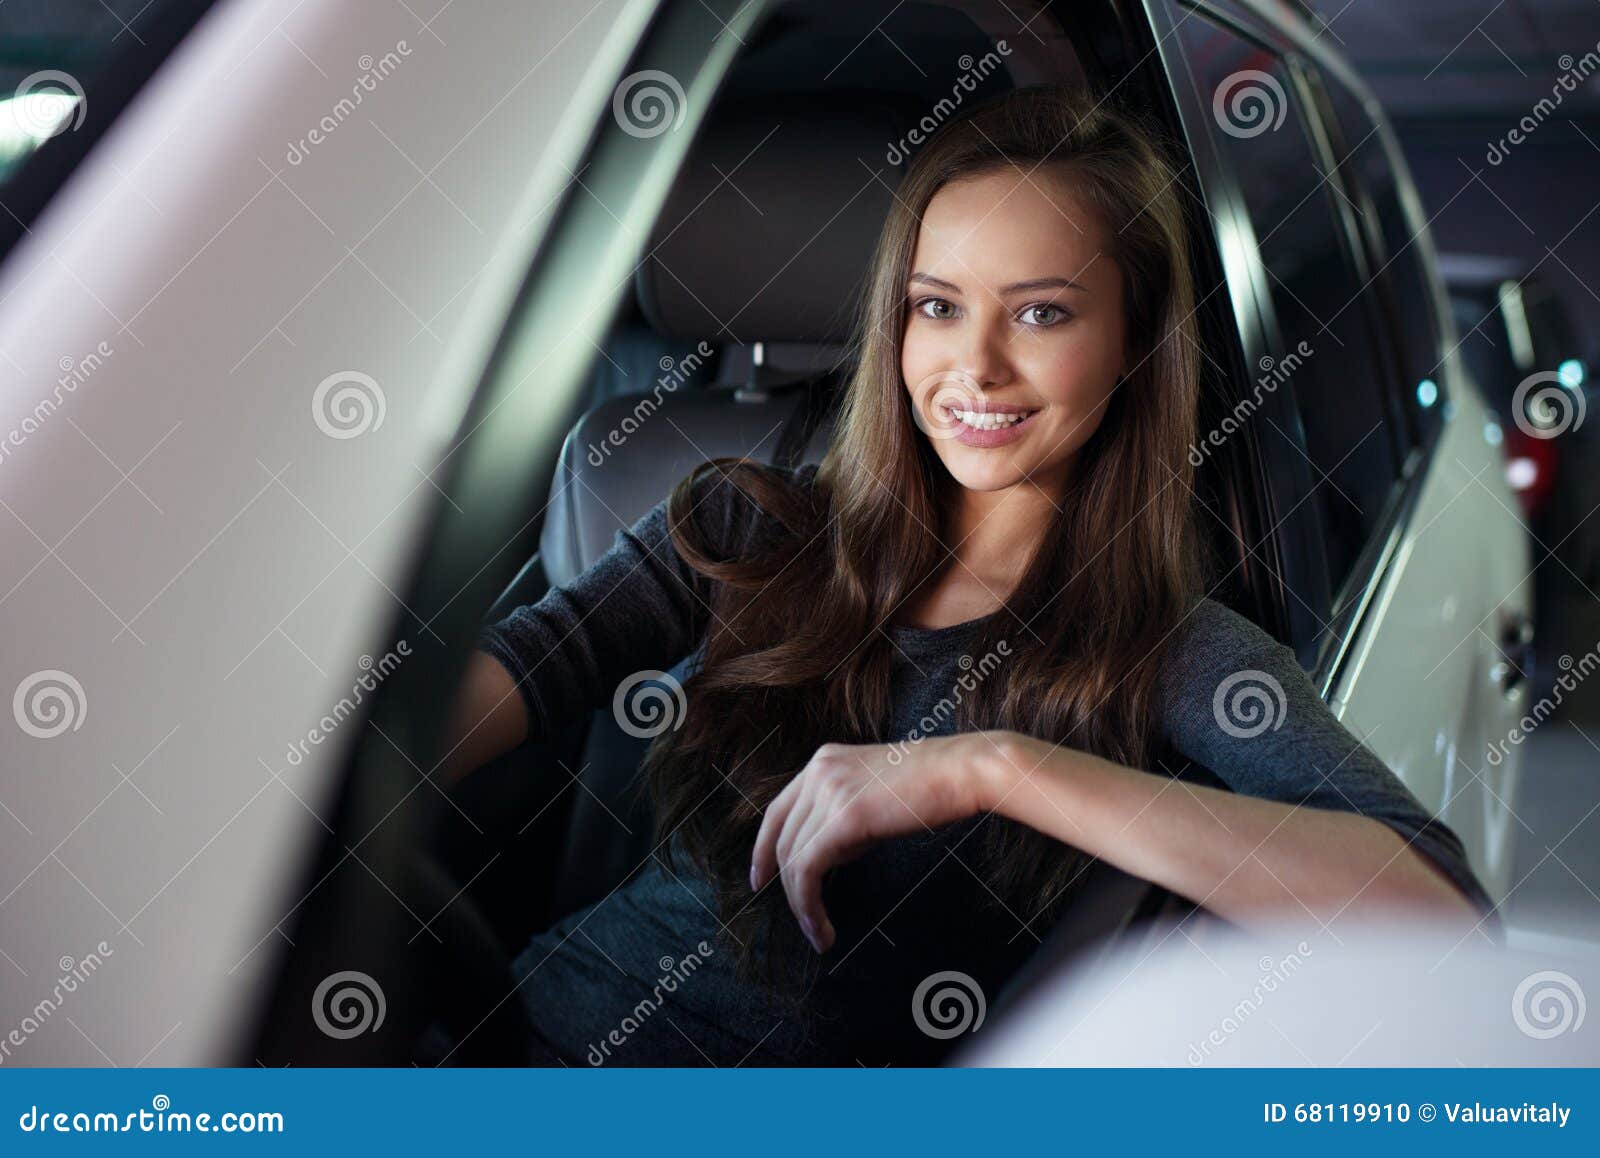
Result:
1215,653
1212,637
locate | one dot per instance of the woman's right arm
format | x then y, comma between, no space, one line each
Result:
548,664
490,717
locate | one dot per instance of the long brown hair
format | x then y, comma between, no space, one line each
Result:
797,652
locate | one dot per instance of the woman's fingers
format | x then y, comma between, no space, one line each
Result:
764,856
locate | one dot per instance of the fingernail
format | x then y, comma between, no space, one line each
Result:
810,931
753,884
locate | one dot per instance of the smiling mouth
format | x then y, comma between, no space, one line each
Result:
986,420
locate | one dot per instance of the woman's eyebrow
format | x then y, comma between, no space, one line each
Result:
1036,283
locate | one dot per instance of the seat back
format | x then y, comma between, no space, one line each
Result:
766,268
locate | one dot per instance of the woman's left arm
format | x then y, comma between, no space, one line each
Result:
1243,857
1246,858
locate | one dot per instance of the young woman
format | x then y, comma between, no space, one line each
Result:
943,671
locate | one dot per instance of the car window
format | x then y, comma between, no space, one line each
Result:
1405,286
1312,285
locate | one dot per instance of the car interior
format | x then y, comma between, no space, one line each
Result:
562,821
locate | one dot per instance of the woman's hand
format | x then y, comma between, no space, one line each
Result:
850,795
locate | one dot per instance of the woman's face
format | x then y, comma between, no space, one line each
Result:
1013,305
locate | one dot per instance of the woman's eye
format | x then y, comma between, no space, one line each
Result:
935,308
1043,315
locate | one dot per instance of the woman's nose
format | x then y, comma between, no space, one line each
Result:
984,356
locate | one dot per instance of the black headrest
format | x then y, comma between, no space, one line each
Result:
768,230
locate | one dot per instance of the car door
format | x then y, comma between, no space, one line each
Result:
238,343
1400,506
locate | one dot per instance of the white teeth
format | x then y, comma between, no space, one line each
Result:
985,421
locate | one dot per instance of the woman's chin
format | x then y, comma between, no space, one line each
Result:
990,472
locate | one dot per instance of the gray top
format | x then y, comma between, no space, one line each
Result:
640,977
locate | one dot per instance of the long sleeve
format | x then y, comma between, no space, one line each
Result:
638,607
1236,701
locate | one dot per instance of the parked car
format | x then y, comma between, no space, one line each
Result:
317,331
1520,342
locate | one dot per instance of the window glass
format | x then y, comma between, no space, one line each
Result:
1408,292
1326,351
